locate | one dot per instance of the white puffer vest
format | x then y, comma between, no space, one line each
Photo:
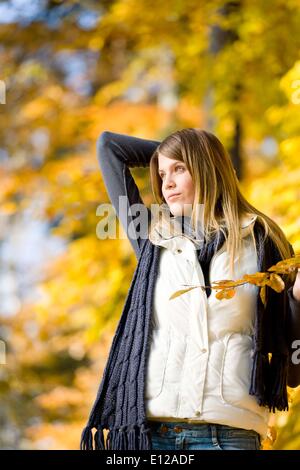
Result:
200,354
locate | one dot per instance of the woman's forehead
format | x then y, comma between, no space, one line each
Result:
166,162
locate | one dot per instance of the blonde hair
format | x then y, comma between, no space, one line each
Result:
216,186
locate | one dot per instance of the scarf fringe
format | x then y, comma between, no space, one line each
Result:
132,437
99,439
259,377
86,442
146,441
278,381
269,381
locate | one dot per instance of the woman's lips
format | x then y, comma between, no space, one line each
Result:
172,197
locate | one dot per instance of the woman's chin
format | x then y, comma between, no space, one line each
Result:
178,210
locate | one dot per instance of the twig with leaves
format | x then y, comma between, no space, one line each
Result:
226,288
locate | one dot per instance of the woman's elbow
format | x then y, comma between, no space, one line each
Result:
103,139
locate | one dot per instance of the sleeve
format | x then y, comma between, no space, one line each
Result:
117,153
293,330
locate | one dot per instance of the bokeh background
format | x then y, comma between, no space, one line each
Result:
70,70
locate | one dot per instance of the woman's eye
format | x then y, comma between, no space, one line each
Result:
177,167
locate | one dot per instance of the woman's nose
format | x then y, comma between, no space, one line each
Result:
169,182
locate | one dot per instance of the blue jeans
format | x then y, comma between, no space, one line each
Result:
202,436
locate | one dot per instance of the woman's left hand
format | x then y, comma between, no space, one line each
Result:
296,287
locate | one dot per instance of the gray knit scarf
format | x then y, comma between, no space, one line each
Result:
120,407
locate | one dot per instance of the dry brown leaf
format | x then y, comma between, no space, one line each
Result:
180,292
263,295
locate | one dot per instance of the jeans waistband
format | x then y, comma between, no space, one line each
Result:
201,426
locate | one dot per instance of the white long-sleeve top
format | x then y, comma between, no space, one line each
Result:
201,348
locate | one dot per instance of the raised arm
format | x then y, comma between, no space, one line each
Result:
116,154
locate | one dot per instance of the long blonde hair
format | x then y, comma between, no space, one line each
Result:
216,186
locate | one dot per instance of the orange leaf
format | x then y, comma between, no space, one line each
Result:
286,265
263,295
225,284
225,294
276,283
259,279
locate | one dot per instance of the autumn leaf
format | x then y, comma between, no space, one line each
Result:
259,279
263,295
276,283
286,265
224,284
225,294
182,291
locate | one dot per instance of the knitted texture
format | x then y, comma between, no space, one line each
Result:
120,403
269,375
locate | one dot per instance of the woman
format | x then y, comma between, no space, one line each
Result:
193,372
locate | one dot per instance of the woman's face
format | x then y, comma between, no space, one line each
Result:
175,178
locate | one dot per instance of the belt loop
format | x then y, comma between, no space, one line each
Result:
214,436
